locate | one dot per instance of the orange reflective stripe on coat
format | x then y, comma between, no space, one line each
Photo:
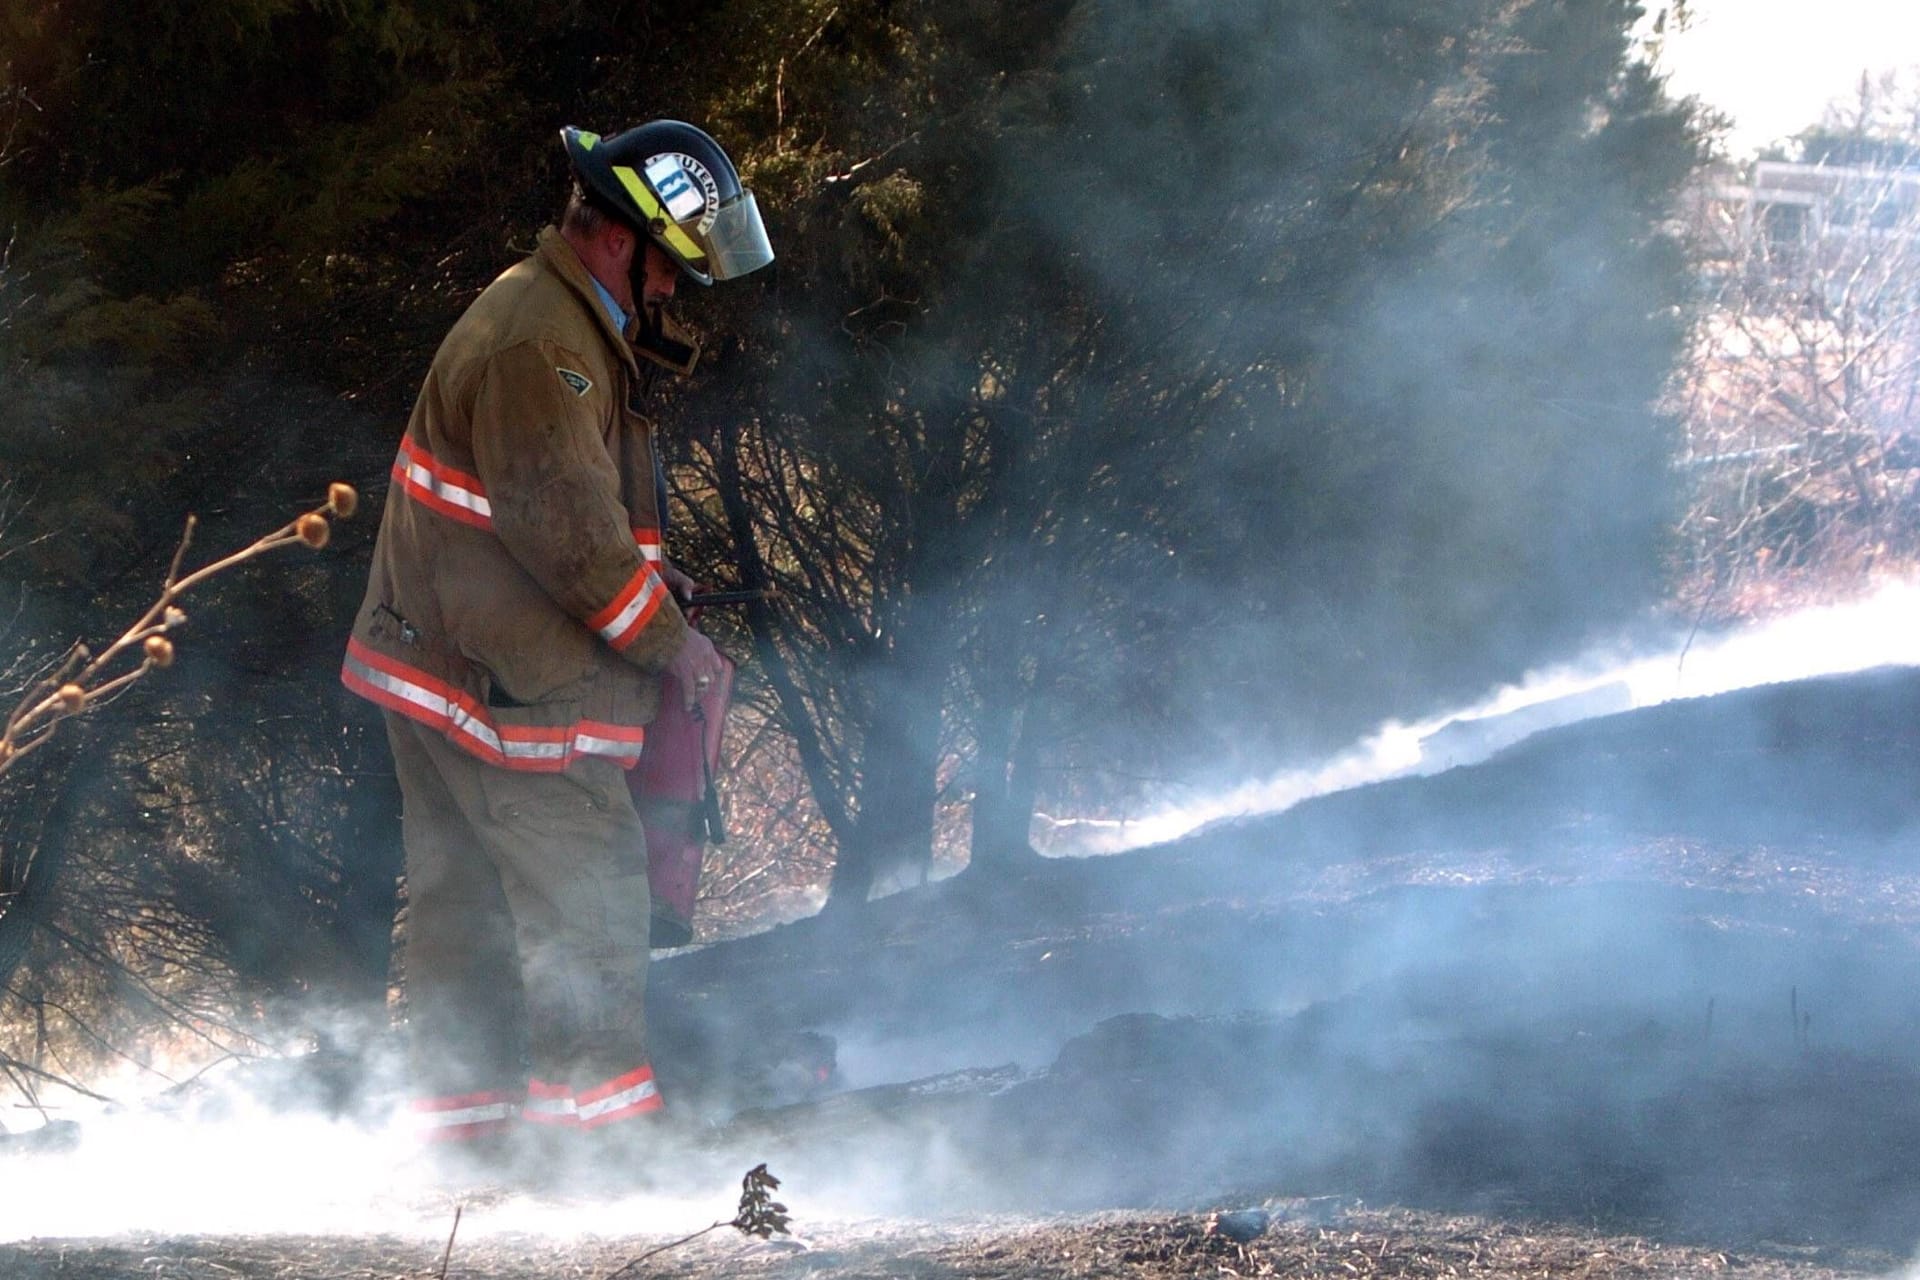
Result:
535,748
432,483
620,622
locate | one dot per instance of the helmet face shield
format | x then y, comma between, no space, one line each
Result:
737,242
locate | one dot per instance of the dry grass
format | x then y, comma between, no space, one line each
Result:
1357,1243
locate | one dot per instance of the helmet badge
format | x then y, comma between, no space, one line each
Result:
685,187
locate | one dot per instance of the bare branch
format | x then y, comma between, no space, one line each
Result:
1806,368
84,680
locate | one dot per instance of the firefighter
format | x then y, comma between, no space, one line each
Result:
516,625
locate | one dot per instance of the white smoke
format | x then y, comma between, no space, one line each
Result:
1880,630
267,1172
260,1168
241,1151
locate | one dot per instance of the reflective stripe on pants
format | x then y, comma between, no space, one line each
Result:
527,916
631,1094
463,1117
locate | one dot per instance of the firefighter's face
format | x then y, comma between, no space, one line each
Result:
654,276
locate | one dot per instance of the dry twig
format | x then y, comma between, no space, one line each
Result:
447,1257
83,679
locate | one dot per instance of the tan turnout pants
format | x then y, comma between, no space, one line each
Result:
526,948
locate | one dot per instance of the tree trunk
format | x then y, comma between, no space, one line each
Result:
371,862
899,780
1005,787
1003,802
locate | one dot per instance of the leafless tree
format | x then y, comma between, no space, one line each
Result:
1799,403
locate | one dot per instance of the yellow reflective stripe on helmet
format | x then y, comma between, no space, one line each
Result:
587,141
679,241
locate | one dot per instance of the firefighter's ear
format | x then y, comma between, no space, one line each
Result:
621,243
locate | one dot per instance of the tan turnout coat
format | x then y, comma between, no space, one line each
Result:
516,603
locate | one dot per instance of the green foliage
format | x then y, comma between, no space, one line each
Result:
146,330
892,209
147,230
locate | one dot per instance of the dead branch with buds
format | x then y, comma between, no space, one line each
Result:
84,679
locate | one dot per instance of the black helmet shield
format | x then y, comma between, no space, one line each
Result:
673,181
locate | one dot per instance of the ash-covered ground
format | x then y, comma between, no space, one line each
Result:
1637,996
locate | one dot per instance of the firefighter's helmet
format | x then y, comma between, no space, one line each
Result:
675,183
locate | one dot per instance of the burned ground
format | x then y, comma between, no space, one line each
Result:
1637,996
1358,1242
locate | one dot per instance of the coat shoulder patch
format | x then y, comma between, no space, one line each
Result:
580,383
